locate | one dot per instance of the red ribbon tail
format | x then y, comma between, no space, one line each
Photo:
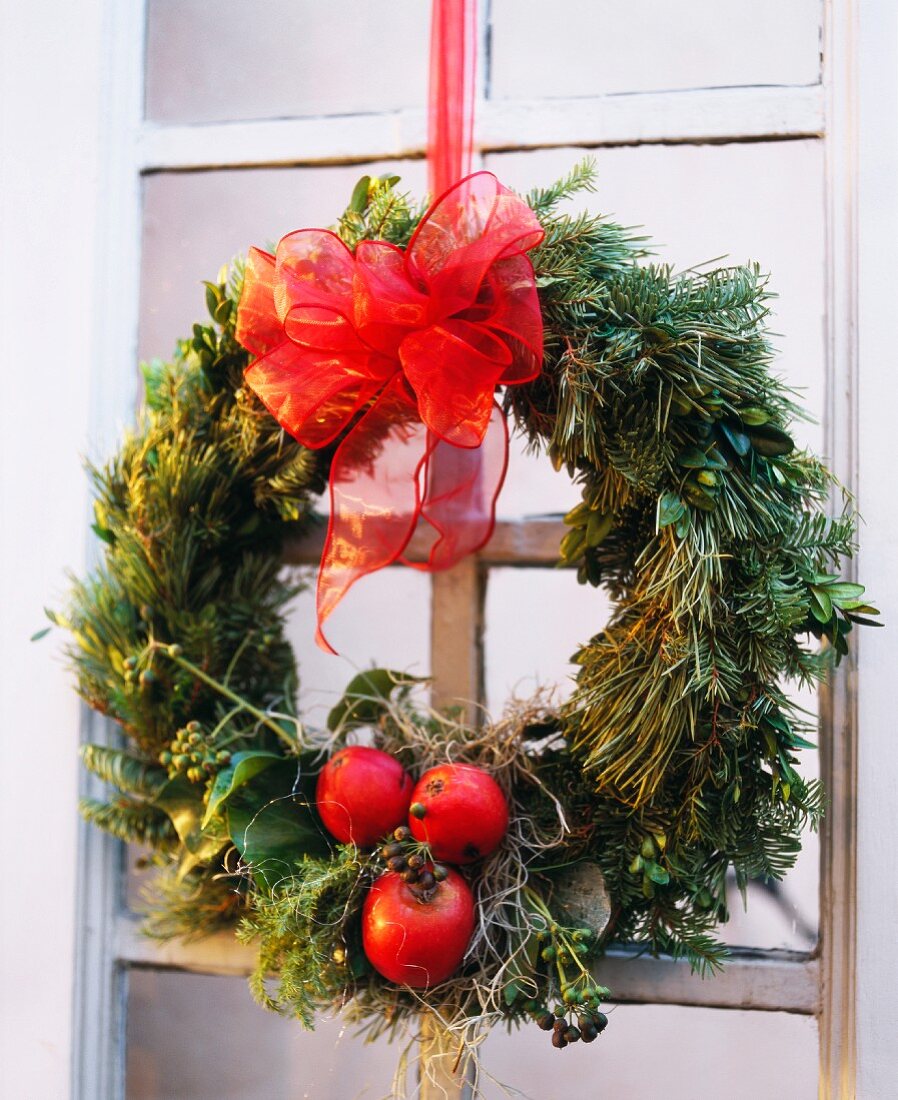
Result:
374,497
461,487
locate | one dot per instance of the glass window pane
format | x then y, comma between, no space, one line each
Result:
283,58
195,1037
652,1051
535,620
196,221
384,621
760,42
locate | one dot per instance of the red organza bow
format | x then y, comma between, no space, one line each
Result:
414,343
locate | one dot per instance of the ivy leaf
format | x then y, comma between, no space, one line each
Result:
243,767
366,697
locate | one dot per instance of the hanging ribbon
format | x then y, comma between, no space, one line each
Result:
403,350
453,64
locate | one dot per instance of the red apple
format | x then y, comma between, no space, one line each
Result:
415,942
460,811
362,794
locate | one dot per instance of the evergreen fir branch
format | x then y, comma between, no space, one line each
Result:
130,821
130,774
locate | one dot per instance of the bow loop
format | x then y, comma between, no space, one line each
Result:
402,351
475,224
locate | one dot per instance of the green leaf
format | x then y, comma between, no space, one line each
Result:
770,441
657,873
821,605
670,509
212,298
714,460
367,696
778,722
753,416
103,533
739,441
358,202
131,774
598,526
510,993
799,742
861,620
243,767
38,634
183,802
273,825
692,459
844,590
359,965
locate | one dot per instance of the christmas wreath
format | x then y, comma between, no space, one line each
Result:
402,860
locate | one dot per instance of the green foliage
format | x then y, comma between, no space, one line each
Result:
132,821
368,696
178,636
378,212
272,824
675,762
710,531
309,937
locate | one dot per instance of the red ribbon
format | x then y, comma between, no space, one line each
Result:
406,350
450,121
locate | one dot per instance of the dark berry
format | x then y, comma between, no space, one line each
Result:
558,1041
546,1021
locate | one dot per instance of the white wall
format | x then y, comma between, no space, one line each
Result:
50,74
